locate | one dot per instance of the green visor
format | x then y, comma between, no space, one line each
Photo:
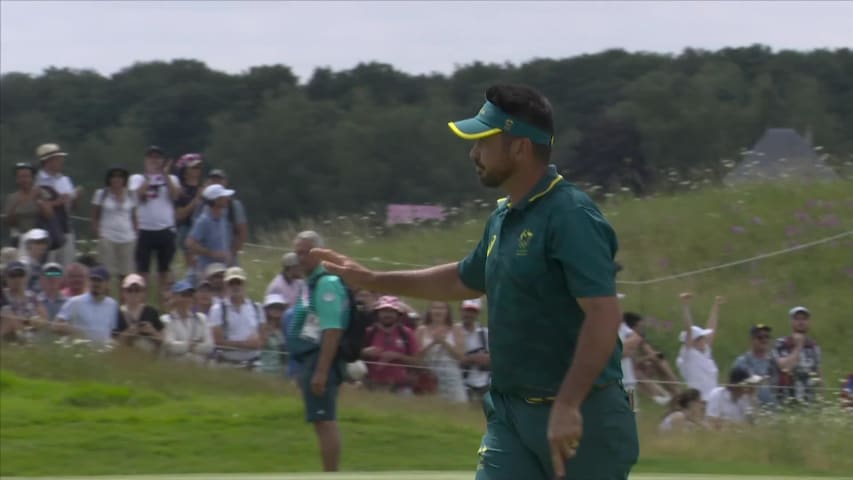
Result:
491,120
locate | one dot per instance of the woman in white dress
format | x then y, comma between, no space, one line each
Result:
443,350
695,358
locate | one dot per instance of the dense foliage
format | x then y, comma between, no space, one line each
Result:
357,139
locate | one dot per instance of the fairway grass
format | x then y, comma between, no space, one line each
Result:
409,475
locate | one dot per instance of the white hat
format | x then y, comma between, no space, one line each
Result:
799,309
274,299
696,332
473,304
214,268
212,192
289,259
132,279
48,150
620,296
36,234
235,272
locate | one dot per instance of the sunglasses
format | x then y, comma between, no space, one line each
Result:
235,282
187,294
762,337
16,274
133,290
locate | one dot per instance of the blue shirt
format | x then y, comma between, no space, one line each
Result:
96,320
212,234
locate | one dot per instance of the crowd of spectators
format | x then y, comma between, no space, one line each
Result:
204,313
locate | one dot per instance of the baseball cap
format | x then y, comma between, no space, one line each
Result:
388,301
274,299
99,272
190,160
491,120
213,269
696,332
740,376
132,279
289,259
25,166
212,192
36,234
760,327
52,269
48,150
217,172
235,273
473,304
15,266
154,150
182,286
799,309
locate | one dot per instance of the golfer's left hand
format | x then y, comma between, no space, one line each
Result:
318,383
565,426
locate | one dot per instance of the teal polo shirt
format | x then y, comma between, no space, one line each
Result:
325,308
536,258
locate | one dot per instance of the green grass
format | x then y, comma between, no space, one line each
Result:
64,412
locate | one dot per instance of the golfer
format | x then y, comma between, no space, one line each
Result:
556,405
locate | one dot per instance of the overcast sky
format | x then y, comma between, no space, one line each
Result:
417,37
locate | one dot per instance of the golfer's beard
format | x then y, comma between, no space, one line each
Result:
494,179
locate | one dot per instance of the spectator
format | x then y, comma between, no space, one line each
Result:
186,335
76,280
25,208
654,377
215,275
189,200
92,315
798,359
758,361
7,255
686,413
294,368
35,245
235,214
62,194
289,282
51,297
273,354
443,350
138,325
390,348
847,393
695,358
114,223
734,403
320,317
208,239
203,298
22,314
236,323
477,360
156,192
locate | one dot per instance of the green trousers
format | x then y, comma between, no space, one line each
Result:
515,446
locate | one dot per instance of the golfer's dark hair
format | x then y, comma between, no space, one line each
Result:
631,319
526,104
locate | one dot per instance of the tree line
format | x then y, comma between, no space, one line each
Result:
354,140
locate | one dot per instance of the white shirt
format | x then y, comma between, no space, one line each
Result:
243,323
722,406
629,378
59,182
96,320
156,210
180,332
474,341
290,291
116,217
698,369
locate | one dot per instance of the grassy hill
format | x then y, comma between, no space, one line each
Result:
71,412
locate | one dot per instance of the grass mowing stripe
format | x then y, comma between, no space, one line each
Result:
402,475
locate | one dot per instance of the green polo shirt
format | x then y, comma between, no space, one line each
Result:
326,308
536,258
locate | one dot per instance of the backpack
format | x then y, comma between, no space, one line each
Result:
354,337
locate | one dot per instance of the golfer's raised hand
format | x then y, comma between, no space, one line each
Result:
565,426
348,269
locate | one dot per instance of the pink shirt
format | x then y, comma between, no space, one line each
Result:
393,340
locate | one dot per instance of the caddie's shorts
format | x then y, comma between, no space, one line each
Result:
515,445
324,407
